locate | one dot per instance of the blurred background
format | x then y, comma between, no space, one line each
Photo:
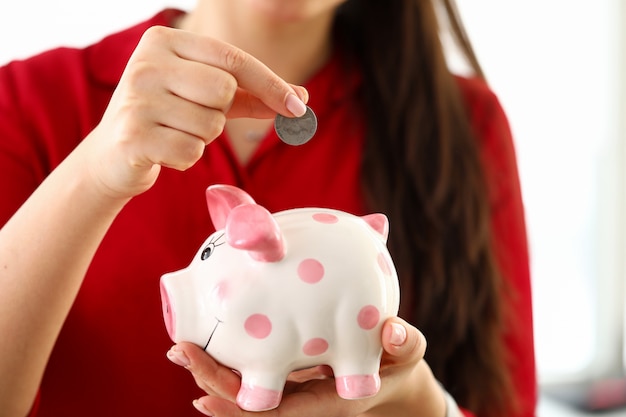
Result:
558,67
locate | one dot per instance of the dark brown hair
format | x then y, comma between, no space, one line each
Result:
421,167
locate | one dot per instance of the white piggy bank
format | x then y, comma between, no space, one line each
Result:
268,294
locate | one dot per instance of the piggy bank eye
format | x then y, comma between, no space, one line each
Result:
207,251
214,241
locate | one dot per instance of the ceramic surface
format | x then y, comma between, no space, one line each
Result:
267,294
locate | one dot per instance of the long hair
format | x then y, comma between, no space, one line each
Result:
421,167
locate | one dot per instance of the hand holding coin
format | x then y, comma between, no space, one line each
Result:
296,130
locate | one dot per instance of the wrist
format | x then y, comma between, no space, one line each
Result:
109,177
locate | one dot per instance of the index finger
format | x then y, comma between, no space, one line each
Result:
245,104
250,73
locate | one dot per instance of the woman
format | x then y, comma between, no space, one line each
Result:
105,153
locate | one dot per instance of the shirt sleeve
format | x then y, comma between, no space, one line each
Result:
30,116
47,106
20,172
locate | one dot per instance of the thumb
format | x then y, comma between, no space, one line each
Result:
402,342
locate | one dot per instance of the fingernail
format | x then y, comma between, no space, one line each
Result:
295,105
398,334
202,408
178,357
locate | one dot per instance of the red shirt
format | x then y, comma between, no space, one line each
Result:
110,356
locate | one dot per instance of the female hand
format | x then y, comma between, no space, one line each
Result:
407,385
172,100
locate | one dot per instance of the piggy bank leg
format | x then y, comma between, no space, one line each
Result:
356,376
260,392
353,387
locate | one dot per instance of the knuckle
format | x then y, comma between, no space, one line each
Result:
141,71
156,34
226,88
191,153
235,59
195,152
275,84
215,127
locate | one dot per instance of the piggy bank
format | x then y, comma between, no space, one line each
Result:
267,294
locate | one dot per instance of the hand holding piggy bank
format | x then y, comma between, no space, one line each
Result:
269,294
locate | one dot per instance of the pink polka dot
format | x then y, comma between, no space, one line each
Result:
325,218
368,317
383,263
311,271
315,346
258,326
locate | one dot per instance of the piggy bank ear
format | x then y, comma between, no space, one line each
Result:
252,228
221,199
379,223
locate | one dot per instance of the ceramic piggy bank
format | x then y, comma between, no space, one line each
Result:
267,294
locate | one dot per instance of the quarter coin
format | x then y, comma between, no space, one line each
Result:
296,130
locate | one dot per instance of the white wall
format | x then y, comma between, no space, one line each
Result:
31,26
556,66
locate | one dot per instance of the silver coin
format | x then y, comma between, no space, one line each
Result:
296,130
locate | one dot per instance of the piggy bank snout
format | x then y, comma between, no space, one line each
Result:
181,302
169,315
